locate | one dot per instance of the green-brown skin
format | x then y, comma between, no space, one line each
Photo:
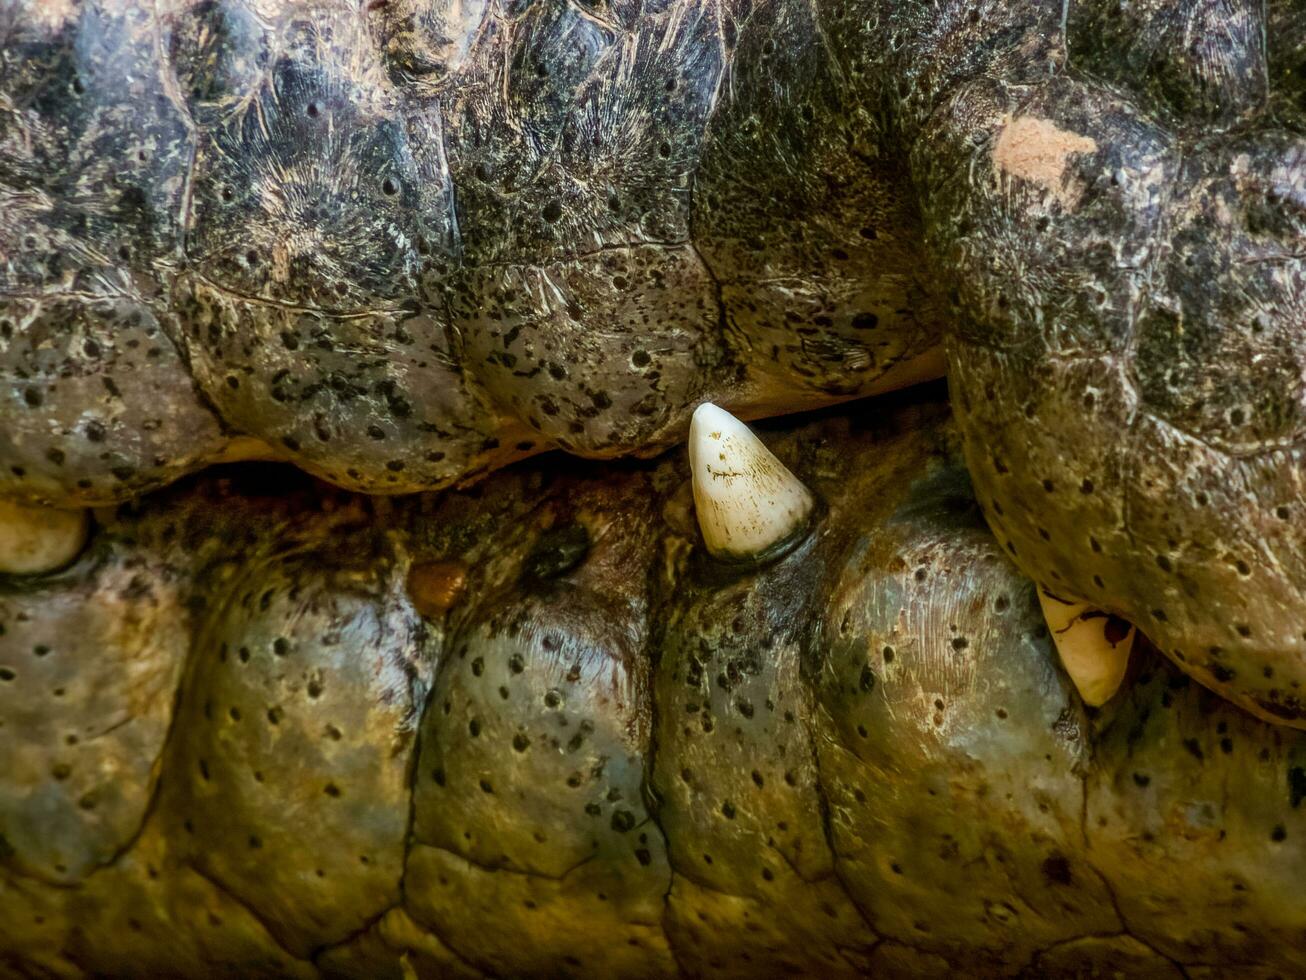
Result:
402,245
405,244
534,729
1129,373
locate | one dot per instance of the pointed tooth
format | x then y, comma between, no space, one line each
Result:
1094,658
747,502
39,539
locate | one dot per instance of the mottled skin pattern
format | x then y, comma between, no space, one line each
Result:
1128,368
531,728
401,244
534,729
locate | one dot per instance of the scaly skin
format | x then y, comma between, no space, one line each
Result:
404,244
534,729
1128,370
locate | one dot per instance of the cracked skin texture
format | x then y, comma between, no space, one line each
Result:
533,729
405,243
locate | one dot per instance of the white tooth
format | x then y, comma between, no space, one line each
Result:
39,539
1095,663
746,501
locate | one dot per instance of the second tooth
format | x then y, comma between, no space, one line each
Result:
1094,646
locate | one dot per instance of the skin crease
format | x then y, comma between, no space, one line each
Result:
403,245
540,709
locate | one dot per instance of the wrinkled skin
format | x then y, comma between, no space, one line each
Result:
1129,372
404,244
533,729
